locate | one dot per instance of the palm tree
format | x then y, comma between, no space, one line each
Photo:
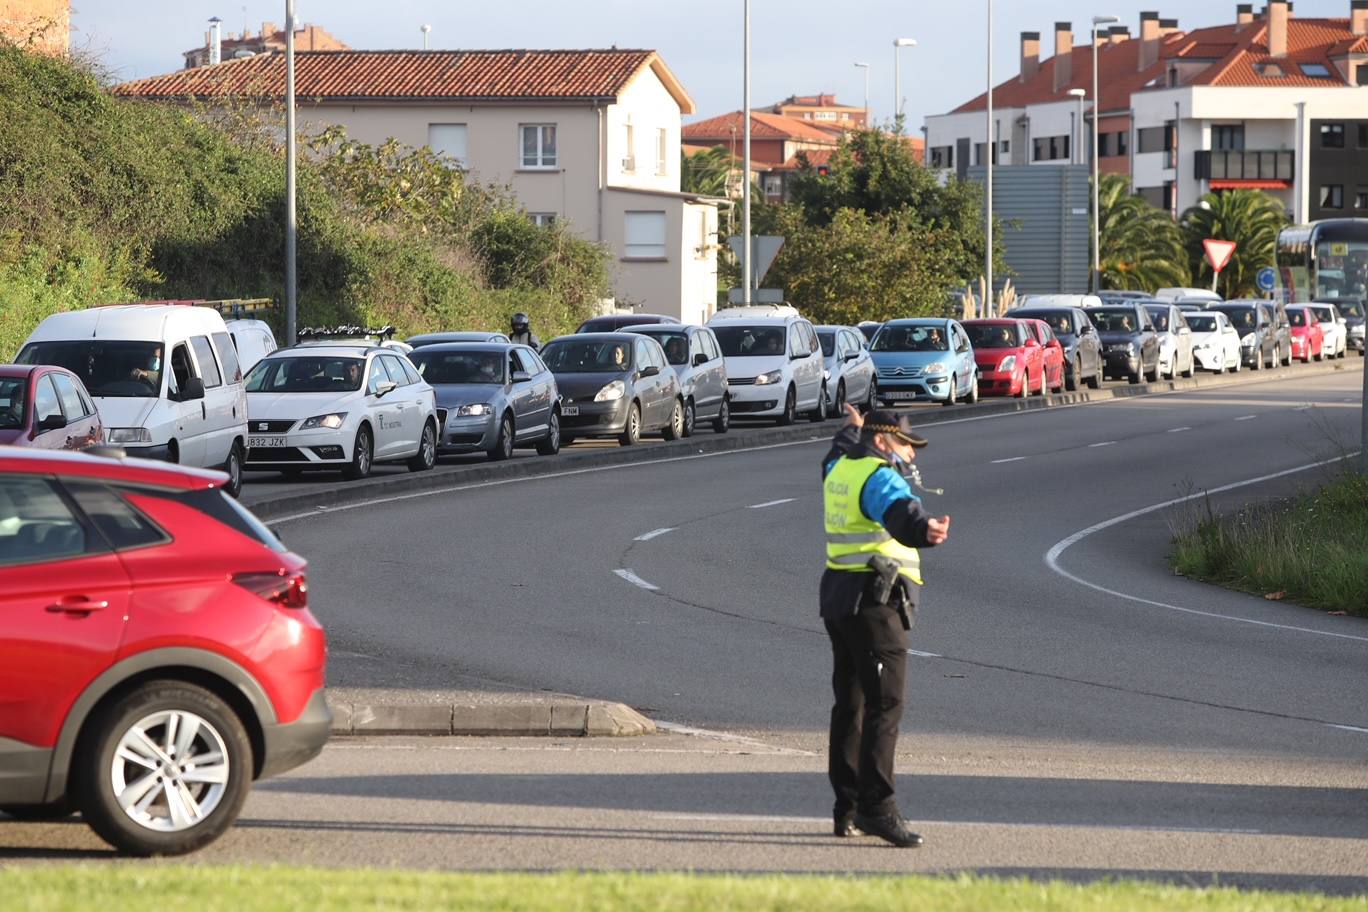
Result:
1250,218
710,172
1142,248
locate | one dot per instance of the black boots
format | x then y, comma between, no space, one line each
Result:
890,828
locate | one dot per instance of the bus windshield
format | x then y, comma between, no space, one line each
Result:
1342,269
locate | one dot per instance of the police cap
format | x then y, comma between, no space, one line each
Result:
886,421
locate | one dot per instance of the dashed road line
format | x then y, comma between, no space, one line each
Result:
1303,408
1093,446
1010,459
637,581
924,655
771,503
1348,728
654,533
1177,430
1246,417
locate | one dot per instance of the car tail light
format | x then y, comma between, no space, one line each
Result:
288,590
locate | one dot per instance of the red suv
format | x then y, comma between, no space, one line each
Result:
157,652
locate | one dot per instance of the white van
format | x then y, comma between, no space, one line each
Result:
252,339
1196,294
774,366
165,379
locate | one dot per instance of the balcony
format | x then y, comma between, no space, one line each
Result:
1246,165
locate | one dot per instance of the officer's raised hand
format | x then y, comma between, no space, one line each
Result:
938,530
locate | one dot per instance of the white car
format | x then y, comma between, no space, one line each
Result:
339,407
1188,295
1333,325
1175,340
774,366
1215,343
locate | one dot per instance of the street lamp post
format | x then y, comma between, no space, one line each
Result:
990,147
426,29
865,67
746,163
1078,135
897,80
1096,179
291,226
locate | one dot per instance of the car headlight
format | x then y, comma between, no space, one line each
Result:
935,367
1008,364
611,392
331,422
474,410
1127,347
771,377
129,435
1247,341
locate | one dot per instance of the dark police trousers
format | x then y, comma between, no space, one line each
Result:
869,650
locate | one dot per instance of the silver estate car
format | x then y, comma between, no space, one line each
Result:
491,397
849,370
697,360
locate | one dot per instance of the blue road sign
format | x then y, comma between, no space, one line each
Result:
1267,279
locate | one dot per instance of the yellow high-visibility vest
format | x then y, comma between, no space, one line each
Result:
851,537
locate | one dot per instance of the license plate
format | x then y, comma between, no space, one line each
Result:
899,395
264,442
570,411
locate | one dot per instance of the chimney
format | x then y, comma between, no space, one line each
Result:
1118,34
1063,58
1278,13
215,40
1244,15
268,29
1358,17
1149,41
1167,27
1030,55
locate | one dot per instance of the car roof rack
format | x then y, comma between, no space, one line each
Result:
381,333
231,308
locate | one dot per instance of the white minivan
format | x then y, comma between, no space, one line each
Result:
165,379
774,365
252,339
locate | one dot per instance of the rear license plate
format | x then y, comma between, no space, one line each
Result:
899,395
265,442
570,411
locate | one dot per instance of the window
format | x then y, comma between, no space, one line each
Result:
1122,142
1269,70
538,145
45,400
629,159
1332,196
449,140
1332,136
410,371
1361,75
943,157
1052,148
376,377
227,355
121,525
1228,137
71,400
36,525
204,354
645,236
542,219
774,185
1005,147
1363,135
1104,145
1315,70
181,369
1151,139
1361,199
662,152
796,345
396,370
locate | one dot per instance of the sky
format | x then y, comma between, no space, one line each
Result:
797,46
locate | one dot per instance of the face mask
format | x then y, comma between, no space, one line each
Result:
154,364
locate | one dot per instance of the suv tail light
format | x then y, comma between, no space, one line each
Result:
288,590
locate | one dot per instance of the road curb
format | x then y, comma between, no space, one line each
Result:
582,719
352,493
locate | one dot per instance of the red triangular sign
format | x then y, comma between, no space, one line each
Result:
1218,253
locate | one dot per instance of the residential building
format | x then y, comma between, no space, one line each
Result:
822,109
587,137
1272,102
43,25
271,38
776,141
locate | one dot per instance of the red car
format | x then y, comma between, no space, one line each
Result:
46,407
157,652
1308,338
1011,361
1054,353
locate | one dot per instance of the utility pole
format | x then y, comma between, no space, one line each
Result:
989,147
746,163
291,227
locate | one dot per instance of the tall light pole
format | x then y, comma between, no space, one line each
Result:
1096,178
865,67
897,79
746,164
1077,140
291,227
990,147
425,30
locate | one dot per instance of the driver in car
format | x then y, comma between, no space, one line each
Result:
149,369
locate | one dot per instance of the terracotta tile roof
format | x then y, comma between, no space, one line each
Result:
763,126
416,75
1308,41
816,158
1118,77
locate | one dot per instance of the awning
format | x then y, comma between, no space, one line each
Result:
1251,184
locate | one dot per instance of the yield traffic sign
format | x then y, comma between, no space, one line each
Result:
764,248
1218,253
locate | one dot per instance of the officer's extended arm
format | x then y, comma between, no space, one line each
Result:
906,521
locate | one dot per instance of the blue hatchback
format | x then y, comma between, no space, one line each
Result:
924,358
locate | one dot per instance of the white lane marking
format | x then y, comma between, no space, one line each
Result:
1134,827
637,581
677,728
344,654
1303,408
1053,555
654,533
1093,446
771,503
1177,430
1246,417
1349,728
923,655
1012,459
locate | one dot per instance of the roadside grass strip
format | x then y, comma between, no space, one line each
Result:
206,888
1311,549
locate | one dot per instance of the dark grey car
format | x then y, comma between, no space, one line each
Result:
1258,334
1130,345
491,397
615,385
438,338
1083,361
697,361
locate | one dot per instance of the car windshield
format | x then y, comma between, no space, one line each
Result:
1297,316
438,367
994,335
910,339
1057,319
574,356
1117,319
12,391
1322,314
1241,317
131,370
306,375
675,344
1160,316
750,341
869,330
828,340
1351,308
1201,324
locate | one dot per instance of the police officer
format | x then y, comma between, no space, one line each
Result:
874,526
522,332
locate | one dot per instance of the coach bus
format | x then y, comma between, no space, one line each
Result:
1324,261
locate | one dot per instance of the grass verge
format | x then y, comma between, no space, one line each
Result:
209,888
1311,549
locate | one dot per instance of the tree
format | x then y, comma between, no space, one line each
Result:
1250,218
708,173
1142,248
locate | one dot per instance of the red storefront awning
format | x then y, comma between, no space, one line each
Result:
1250,184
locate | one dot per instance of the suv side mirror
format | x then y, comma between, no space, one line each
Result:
54,422
650,370
851,356
194,389
1032,343
521,377
700,359
384,388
